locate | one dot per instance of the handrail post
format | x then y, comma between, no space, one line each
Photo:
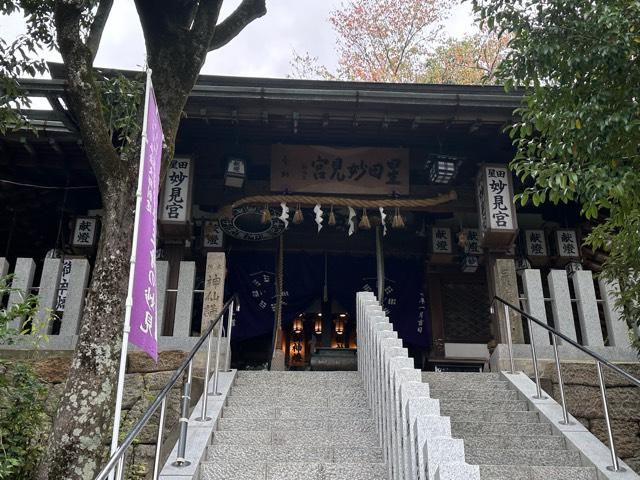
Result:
603,392
156,458
184,421
509,340
218,344
565,413
203,414
534,357
120,471
229,328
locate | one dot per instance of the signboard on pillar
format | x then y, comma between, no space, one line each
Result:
213,287
472,245
567,244
497,214
85,232
536,244
175,211
322,169
441,245
212,235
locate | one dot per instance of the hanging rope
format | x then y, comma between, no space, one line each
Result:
311,200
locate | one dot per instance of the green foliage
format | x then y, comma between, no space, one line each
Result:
22,417
121,102
578,129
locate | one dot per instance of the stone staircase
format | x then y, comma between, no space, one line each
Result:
500,433
295,425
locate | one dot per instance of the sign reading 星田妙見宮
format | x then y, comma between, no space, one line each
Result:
322,169
144,292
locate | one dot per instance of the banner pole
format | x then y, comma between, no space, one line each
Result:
129,300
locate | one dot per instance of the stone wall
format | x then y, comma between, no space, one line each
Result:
144,380
582,393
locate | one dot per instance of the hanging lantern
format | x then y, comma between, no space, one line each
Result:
332,217
297,217
442,168
364,224
317,326
340,325
235,173
298,326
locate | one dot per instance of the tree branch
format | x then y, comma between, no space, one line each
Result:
247,12
83,95
97,26
205,19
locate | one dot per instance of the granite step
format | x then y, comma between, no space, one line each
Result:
306,454
524,442
302,438
506,472
486,405
294,412
292,471
327,424
491,416
492,456
470,394
452,384
462,377
464,429
329,401
296,390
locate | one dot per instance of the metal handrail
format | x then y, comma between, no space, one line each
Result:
160,401
599,362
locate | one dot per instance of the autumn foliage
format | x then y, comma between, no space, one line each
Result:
403,41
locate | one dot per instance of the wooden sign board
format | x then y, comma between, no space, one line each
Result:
320,169
496,210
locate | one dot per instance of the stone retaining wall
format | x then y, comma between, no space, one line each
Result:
582,393
144,380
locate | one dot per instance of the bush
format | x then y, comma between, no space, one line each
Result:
23,421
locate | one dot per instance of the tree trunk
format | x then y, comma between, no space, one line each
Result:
83,423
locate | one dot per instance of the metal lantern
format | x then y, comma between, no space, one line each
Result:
442,169
573,267
469,263
522,264
317,326
235,174
298,325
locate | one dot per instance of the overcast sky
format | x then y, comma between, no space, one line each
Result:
263,49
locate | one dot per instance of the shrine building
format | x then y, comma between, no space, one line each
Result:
307,192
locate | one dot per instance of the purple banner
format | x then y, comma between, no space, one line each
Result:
144,318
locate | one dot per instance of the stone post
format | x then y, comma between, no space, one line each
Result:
532,284
214,278
587,309
4,267
504,283
49,283
617,329
561,304
184,300
22,281
78,279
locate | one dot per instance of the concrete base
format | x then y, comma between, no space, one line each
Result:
592,450
199,433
